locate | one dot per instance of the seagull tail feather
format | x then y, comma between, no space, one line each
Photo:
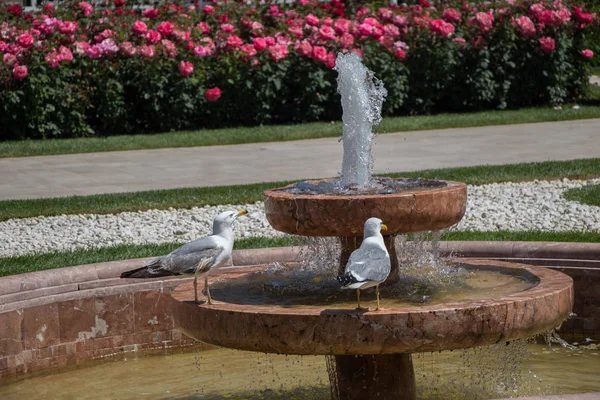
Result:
145,272
347,279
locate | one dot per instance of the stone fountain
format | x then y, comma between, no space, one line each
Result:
371,350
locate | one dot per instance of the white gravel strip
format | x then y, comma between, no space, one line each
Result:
523,206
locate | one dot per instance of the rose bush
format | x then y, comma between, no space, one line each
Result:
78,70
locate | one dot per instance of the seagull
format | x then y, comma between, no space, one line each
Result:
369,265
197,257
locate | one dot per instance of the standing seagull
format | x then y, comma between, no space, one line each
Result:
197,257
369,265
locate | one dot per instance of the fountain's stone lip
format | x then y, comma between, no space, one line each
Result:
399,330
344,215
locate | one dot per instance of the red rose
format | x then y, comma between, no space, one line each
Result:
15,9
213,94
25,40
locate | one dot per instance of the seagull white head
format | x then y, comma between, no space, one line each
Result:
225,220
373,227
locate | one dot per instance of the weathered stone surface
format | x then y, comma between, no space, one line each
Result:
400,330
410,211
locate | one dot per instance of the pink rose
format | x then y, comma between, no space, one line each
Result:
81,48
385,13
526,26
391,30
19,72
269,40
319,53
400,20
347,40
53,59
9,59
65,54
139,27
228,28
460,41
169,48
304,48
147,51
451,15
365,29
153,37
342,25
165,28
25,40
201,51
536,9
150,13
259,43
86,8
330,60
484,21
209,10
68,27
547,44
128,49
248,50
327,33
186,68
441,27
311,20
94,52
296,31
203,26
587,53
213,94
278,52
108,46
3,46
234,42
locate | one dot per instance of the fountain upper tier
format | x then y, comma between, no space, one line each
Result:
425,208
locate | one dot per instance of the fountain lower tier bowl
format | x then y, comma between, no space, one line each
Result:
539,300
412,205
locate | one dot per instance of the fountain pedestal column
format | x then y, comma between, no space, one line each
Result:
351,243
377,377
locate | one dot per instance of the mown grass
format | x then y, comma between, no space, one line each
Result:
45,261
289,132
243,194
586,195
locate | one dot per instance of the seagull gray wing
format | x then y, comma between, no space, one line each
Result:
369,263
184,260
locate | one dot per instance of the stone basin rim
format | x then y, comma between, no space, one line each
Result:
447,326
280,193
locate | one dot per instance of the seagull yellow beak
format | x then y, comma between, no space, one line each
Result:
384,227
242,212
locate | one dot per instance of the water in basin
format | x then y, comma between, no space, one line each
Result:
292,288
375,186
518,369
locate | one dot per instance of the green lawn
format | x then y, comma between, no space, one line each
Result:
586,195
242,194
40,262
290,132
